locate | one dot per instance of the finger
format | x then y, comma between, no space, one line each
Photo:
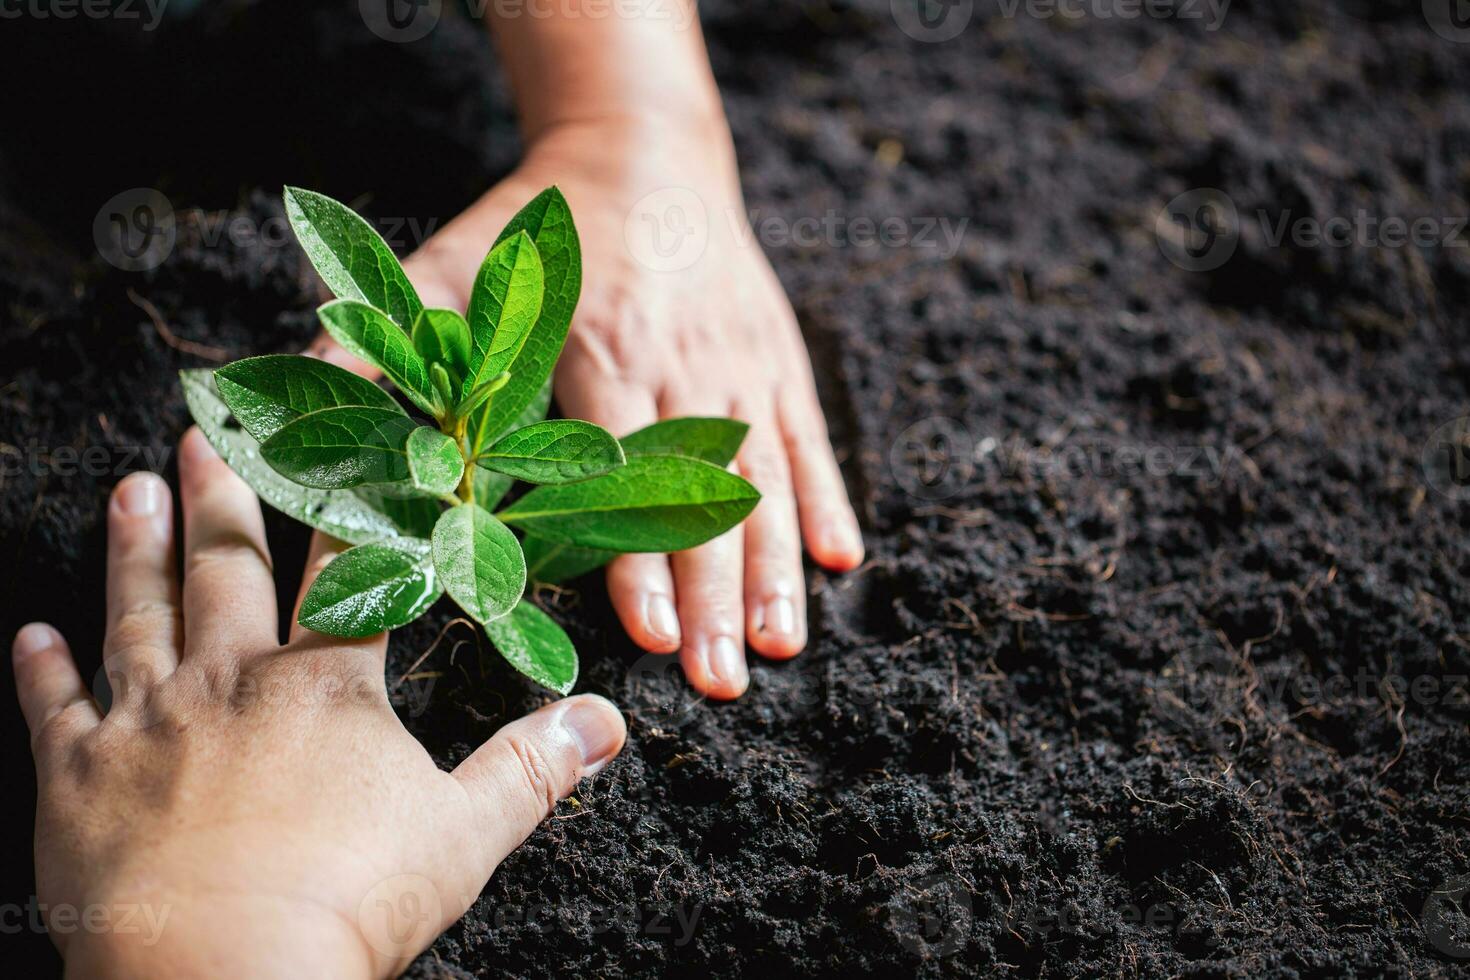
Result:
322,552
707,582
515,779
229,591
324,348
52,696
775,586
144,628
828,524
640,587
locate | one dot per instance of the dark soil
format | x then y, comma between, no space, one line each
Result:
1158,662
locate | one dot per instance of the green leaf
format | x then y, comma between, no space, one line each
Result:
555,561
266,392
367,334
342,447
489,487
504,304
713,440
479,430
479,561
355,516
443,336
560,451
534,645
371,588
478,397
351,257
653,503
548,221
435,464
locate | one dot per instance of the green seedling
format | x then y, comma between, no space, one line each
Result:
417,497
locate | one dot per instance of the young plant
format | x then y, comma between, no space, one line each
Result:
418,500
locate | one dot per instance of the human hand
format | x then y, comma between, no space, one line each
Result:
260,804
715,338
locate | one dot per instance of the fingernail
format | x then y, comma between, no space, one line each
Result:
140,495
597,728
662,621
780,617
727,662
33,638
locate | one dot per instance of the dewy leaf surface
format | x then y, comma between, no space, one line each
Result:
559,451
548,221
357,517
265,393
371,588
435,464
714,440
536,646
367,334
652,503
351,257
342,447
504,304
479,561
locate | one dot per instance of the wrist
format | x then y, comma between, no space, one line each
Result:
182,937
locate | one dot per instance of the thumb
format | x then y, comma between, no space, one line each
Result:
518,777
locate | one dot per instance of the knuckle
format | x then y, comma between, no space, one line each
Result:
229,554
146,623
764,466
534,771
59,726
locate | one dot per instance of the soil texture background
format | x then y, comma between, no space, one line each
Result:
1158,662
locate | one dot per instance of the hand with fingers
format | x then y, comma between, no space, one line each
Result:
258,807
680,315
